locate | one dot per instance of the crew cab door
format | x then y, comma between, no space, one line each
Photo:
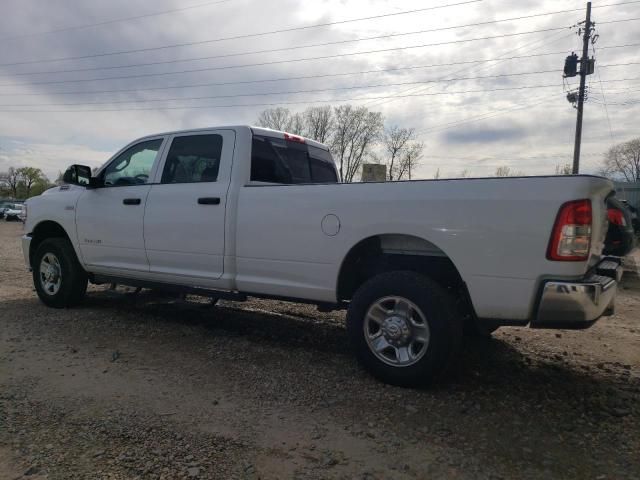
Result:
109,219
184,222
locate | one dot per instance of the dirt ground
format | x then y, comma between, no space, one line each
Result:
143,386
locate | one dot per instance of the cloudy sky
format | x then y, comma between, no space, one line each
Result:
68,93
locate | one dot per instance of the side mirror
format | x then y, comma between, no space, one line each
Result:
79,175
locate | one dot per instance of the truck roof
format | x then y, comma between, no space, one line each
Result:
267,132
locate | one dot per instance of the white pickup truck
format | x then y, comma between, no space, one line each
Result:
235,211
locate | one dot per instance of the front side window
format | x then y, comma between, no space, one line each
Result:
275,160
193,158
133,166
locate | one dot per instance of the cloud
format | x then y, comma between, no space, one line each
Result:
452,117
484,135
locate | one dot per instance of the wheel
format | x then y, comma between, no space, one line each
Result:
59,278
404,328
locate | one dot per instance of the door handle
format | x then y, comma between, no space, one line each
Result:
209,201
131,201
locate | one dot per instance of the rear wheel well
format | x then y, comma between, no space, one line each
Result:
386,253
43,231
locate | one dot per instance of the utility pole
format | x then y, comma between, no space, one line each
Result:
584,71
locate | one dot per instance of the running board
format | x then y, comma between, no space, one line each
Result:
100,279
168,287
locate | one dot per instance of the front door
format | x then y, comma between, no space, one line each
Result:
109,219
184,222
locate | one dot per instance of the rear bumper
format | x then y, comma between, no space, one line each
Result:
578,304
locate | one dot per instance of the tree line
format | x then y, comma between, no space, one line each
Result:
355,135
24,182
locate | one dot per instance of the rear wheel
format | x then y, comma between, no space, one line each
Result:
404,328
58,277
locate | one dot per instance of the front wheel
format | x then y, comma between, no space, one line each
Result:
58,277
404,327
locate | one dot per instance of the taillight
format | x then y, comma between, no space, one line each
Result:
293,138
616,217
571,236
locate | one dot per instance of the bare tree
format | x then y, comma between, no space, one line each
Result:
29,176
296,124
564,169
11,179
505,171
436,176
319,123
275,118
356,131
622,161
464,173
409,159
394,140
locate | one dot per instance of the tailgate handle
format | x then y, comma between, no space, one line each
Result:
131,201
209,201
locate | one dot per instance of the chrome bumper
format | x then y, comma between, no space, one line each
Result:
26,245
578,304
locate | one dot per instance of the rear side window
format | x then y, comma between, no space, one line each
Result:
276,160
193,158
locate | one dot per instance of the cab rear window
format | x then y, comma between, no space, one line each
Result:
275,160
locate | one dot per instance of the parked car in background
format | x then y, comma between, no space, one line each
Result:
3,207
621,238
239,211
15,212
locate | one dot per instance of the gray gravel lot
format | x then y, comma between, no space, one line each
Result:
145,386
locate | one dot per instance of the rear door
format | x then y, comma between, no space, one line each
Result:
184,222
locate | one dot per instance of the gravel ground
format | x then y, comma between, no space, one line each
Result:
143,386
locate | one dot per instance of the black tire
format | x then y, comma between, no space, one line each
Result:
73,278
444,323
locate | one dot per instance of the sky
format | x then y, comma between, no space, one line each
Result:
59,102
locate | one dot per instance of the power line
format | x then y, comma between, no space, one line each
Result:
500,59
470,68
483,116
267,80
323,57
302,102
247,35
299,47
272,32
353,87
285,103
277,79
423,45
116,20
295,47
292,92
257,81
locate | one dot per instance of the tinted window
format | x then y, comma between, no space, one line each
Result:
133,166
193,158
275,160
322,167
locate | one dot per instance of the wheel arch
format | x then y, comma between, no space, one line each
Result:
392,251
44,230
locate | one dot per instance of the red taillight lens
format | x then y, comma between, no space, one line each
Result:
571,236
616,217
293,138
